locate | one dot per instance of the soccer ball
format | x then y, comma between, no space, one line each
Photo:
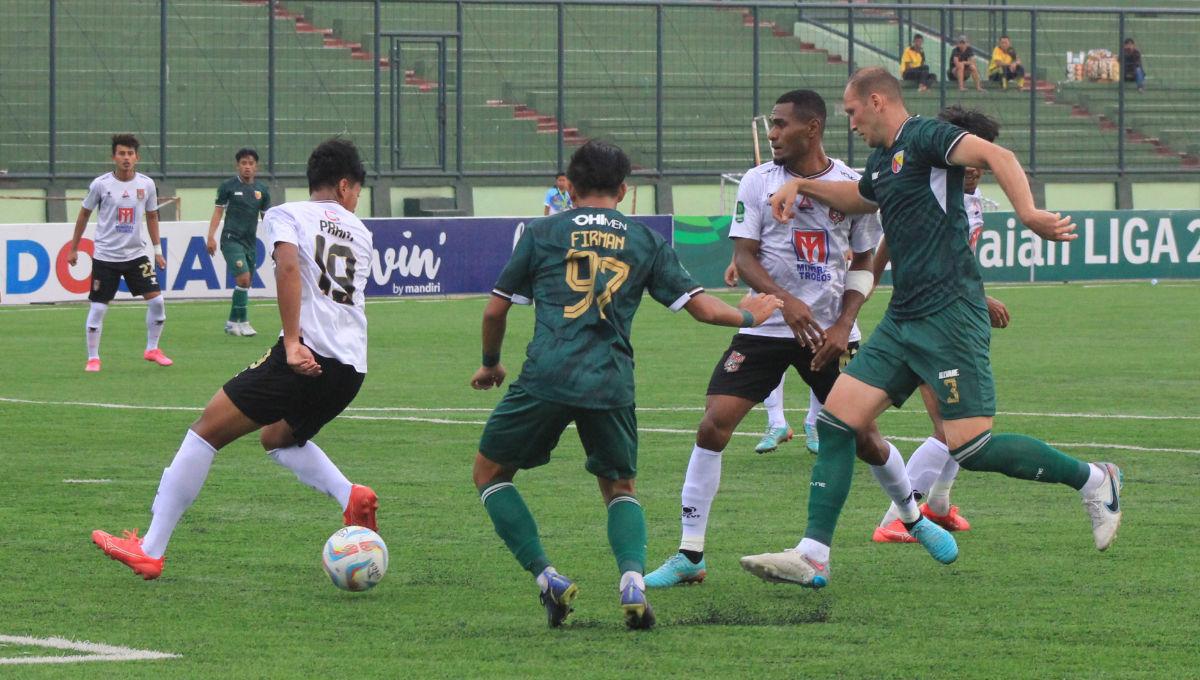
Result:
355,558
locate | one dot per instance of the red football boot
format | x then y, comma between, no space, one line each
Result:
893,533
951,521
360,511
128,551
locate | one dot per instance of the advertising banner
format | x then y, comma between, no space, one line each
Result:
33,264
445,256
413,256
1116,244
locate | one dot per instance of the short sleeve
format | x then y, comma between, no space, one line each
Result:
516,279
92,200
223,194
866,188
265,205
935,139
865,232
549,202
151,197
749,209
670,284
281,228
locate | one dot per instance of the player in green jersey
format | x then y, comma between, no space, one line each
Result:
242,200
587,269
936,328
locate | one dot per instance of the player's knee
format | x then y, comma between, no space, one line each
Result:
870,447
243,280
713,434
617,487
487,472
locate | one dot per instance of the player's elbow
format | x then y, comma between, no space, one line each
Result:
703,308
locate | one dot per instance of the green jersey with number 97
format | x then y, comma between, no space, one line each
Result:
586,270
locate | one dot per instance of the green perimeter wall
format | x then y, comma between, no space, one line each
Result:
683,199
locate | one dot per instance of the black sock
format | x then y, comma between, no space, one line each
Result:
909,525
694,556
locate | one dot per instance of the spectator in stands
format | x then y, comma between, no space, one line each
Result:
1133,70
913,66
962,64
1005,65
558,197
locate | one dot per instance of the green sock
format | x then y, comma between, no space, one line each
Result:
515,525
1022,457
831,477
627,533
237,312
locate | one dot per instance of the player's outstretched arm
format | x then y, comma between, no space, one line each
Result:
80,224
971,151
753,310
213,223
491,372
841,196
287,291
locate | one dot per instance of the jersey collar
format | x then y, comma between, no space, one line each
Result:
901,130
824,172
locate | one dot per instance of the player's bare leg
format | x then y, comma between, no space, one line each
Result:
627,536
974,446
722,414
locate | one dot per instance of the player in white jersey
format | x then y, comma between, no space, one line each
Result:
123,197
803,263
931,470
321,252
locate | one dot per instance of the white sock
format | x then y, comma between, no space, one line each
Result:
156,314
774,405
939,493
926,465
699,489
890,516
632,576
180,485
814,549
1095,479
94,327
814,407
314,468
894,480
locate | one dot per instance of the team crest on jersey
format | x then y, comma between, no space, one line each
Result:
811,245
898,161
331,216
836,217
734,361
141,194
258,195
805,203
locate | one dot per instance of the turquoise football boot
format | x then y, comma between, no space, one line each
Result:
675,571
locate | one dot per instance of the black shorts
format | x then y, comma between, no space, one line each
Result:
106,276
268,391
753,366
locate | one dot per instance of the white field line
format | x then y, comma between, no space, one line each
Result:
94,651
664,430
87,481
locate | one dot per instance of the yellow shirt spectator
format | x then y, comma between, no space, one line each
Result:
912,59
1000,59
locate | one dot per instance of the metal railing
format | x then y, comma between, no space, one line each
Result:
506,88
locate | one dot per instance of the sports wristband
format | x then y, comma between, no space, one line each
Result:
747,319
160,250
490,360
860,280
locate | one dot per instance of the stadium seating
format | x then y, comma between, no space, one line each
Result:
108,80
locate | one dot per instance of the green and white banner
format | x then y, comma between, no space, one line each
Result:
1114,244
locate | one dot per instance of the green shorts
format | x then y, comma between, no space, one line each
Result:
948,350
523,430
239,258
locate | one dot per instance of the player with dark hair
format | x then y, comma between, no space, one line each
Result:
311,374
123,197
241,199
930,468
558,197
586,269
936,329
802,262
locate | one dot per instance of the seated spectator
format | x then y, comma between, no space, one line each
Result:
962,64
1005,65
913,66
1132,68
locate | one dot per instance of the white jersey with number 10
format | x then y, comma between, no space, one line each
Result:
335,258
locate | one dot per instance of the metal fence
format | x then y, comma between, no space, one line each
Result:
466,88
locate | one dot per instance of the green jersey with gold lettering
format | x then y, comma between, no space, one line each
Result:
586,270
242,203
920,198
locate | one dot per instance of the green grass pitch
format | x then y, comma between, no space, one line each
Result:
243,594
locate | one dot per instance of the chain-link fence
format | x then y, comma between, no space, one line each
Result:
498,88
